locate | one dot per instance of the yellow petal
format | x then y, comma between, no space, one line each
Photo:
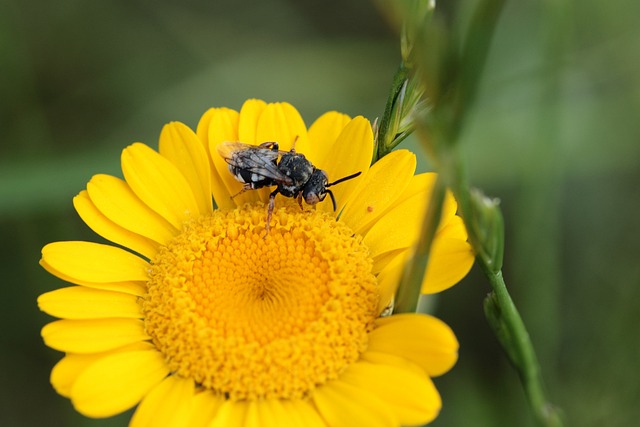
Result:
205,123
115,199
268,412
422,183
92,335
454,229
412,395
78,302
281,122
420,186
95,262
231,413
389,278
219,124
69,368
302,414
324,132
181,146
379,358
159,184
398,228
351,153
382,261
168,404
138,288
117,382
66,371
248,123
282,413
379,189
109,229
400,225
204,408
449,208
419,338
342,404
449,261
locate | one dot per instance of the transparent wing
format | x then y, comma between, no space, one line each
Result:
259,160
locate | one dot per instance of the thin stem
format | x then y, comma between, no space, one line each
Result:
520,350
501,312
451,75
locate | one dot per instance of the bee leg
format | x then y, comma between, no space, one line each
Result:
271,145
299,199
272,204
245,187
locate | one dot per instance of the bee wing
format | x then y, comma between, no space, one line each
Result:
259,160
228,149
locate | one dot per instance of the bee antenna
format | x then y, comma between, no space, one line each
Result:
333,200
346,178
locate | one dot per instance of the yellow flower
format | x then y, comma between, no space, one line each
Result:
201,321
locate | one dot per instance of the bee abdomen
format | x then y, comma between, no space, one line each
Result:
253,179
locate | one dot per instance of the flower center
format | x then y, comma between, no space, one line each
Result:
255,318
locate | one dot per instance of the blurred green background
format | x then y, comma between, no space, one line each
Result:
555,135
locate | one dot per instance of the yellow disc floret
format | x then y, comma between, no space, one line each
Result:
252,317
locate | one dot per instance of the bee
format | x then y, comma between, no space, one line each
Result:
266,166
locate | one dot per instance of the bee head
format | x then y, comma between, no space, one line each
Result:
315,190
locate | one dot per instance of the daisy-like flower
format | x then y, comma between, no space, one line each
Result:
200,321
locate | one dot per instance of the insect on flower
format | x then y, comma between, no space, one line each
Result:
265,166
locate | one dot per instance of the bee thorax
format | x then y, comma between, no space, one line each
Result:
296,167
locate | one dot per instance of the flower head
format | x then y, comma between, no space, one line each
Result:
197,318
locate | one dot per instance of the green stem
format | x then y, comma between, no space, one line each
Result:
451,77
501,312
514,337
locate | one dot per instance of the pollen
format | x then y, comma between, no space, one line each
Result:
253,318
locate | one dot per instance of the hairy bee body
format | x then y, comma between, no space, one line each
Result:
266,166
